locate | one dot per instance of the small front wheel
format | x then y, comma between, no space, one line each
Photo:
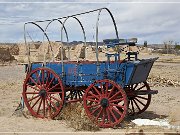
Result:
105,102
138,103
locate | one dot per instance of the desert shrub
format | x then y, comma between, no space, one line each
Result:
177,47
5,55
75,117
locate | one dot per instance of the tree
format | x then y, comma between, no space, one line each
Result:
177,46
167,45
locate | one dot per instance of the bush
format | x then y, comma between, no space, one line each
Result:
75,117
177,47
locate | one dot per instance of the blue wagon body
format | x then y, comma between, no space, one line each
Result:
84,73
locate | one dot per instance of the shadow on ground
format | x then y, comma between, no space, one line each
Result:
145,115
149,115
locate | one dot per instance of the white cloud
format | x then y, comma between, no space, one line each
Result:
154,22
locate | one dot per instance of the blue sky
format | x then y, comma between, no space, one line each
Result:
155,22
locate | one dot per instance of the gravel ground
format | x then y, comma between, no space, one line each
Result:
164,105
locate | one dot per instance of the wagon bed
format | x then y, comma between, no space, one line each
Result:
86,72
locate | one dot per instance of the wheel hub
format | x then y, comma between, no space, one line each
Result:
131,98
42,93
104,102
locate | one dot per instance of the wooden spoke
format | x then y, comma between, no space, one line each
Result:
32,92
96,90
103,116
137,105
139,101
56,99
135,86
53,87
52,103
49,108
42,77
47,78
117,111
120,106
108,114
54,92
116,100
132,106
114,95
107,85
34,82
37,76
102,90
111,112
89,99
111,91
94,105
44,108
39,106
36,102
142,97
93,95
32,98
51,82
99,113
95,110
141,87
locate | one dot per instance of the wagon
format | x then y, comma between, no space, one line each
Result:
110,89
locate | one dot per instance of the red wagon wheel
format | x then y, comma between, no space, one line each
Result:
43,93
105,102
74,95
138,103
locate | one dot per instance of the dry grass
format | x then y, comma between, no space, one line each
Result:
173,115
75,117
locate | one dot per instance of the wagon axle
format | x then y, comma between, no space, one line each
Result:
43,93
104,102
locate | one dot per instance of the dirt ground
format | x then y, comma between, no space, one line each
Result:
164,105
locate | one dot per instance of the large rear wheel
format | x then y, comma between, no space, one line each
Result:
105,102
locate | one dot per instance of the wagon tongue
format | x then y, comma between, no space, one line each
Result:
143,92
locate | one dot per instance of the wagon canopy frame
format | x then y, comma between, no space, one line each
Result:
63,28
